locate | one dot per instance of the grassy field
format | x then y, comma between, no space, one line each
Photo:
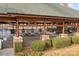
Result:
72,50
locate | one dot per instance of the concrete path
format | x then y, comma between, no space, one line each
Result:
7,52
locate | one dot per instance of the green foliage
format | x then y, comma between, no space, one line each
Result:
18,47
38,45
61,42
75,39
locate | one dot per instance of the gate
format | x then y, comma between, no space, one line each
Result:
6,35
7,42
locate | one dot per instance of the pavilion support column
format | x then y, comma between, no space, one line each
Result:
29,26
35,25
63,28
44,27
77,27
45,35
63,32
17,37
17,28
40,28
74,26
13,31
77,31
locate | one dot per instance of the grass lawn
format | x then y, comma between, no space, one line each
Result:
72,50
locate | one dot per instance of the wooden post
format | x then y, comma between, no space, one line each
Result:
17,38
40,28
77,27
17,28
2,29
63,28
13,28
45,36
74,26
77,33
23,25
44,27
35,25
28,26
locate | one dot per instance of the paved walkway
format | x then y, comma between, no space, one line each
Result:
7,52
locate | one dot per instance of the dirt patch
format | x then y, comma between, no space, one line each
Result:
72,50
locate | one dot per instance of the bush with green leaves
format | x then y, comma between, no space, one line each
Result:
75,39
18,46
59,42
38,45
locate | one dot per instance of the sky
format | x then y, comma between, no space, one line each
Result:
71,3
74,6
67,1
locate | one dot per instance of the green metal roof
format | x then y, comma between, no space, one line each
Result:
50,9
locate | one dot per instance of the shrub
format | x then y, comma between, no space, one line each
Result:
61,42
75,39
18,47
38,45
48,43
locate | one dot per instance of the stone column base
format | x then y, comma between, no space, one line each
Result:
76,34
18,39
45,37
63,35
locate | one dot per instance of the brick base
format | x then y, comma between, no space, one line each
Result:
76,34
63,35
45,37
18,39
